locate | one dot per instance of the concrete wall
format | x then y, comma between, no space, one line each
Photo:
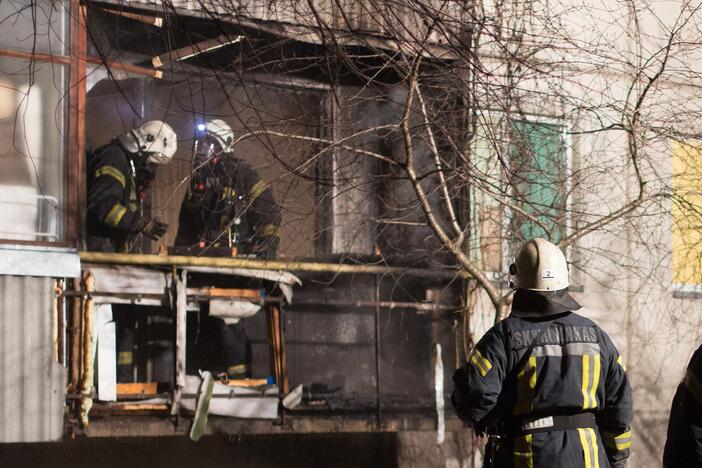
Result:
32,383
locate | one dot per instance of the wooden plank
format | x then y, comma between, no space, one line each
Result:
143,407
74,164
136,388
63,60
277,349
251,294
146,19
273,344
36,56
127,67
248,383
193,50
129,408
283,356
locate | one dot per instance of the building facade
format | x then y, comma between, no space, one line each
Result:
379,126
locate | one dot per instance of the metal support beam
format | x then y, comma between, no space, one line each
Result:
419,306
253,264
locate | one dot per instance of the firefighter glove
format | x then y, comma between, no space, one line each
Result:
155,229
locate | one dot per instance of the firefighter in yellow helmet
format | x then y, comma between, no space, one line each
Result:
546,384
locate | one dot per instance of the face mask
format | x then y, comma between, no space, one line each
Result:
145,174
205,150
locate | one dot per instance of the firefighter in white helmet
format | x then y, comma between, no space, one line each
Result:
546,384
227,206
119,175
227,203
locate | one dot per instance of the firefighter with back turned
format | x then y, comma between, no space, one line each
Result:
547,385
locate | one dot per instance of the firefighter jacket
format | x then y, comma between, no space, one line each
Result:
537,368
218,347
684,444
228,202
114,209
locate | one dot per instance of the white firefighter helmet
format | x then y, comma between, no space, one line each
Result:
154,138
539,266
220,131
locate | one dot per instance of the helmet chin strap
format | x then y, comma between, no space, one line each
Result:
135,140
139,158
141,155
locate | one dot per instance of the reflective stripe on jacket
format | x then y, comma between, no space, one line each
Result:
222,192
113,210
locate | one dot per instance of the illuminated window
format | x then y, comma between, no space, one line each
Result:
687,216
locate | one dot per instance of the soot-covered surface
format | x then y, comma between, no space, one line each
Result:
244,451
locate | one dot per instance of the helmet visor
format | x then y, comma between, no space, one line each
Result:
205,148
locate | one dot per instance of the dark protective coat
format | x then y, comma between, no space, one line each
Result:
227,194
114,209
218,347
572,368
684,444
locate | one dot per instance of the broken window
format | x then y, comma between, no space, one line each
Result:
32,118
